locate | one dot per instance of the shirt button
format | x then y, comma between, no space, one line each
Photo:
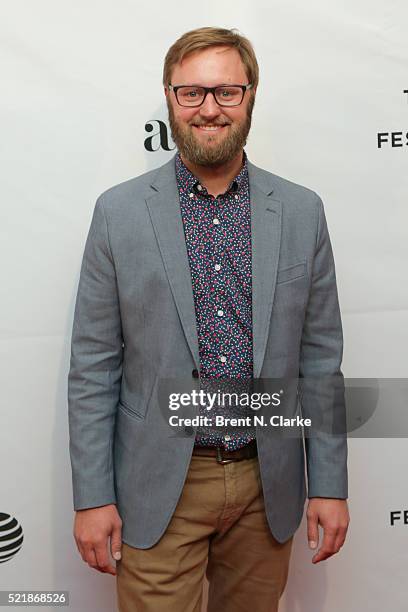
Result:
223,359
220,313
227,438
236,197
199,187
217,267
216,221
191,195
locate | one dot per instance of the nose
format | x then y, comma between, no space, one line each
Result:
209,107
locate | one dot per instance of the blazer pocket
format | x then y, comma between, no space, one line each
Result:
137,406
124,406
291,272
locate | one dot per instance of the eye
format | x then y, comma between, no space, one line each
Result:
229,94
189,92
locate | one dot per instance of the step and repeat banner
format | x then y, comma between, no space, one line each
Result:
82,109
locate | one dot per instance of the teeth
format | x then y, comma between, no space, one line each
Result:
209,127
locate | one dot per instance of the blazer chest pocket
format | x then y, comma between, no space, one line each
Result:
292,272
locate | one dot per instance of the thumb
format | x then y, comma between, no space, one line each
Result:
313,531
116,543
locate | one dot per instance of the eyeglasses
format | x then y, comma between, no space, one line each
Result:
194,95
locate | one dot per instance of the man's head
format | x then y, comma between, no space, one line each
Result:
210,134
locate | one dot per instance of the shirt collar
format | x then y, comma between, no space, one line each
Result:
187,181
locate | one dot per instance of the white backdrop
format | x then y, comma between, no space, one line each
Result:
79,82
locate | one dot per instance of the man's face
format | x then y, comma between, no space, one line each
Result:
208,68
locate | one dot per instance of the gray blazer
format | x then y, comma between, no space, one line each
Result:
134,324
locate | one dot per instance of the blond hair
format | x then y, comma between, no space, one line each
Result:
202,38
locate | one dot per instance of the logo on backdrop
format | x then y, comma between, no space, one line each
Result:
393,139
398,517
160,136
11,537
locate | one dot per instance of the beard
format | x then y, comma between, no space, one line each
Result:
209,153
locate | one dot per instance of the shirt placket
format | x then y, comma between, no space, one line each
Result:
217,288
218,270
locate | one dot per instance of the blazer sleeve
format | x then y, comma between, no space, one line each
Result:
95,370
321,382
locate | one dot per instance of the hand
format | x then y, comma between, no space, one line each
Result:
92,528
333,516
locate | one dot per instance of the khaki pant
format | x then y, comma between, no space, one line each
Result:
219,528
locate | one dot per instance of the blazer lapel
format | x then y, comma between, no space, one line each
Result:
266,215
164,210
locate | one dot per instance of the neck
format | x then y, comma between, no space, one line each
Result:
216,179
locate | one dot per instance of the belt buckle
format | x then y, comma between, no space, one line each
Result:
220,458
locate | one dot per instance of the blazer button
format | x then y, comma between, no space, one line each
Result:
188,430
195,373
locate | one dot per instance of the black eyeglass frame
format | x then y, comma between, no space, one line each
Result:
208,90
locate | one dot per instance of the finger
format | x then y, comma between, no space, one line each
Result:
85,551
322,555
341,538
101,553
80,549
90,558
313,531
116,543
328,547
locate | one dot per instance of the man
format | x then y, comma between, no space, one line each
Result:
207,268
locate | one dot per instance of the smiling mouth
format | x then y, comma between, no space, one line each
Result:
210,128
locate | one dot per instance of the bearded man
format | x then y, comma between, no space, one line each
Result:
213,269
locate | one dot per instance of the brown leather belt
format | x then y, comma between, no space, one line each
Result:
221,455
